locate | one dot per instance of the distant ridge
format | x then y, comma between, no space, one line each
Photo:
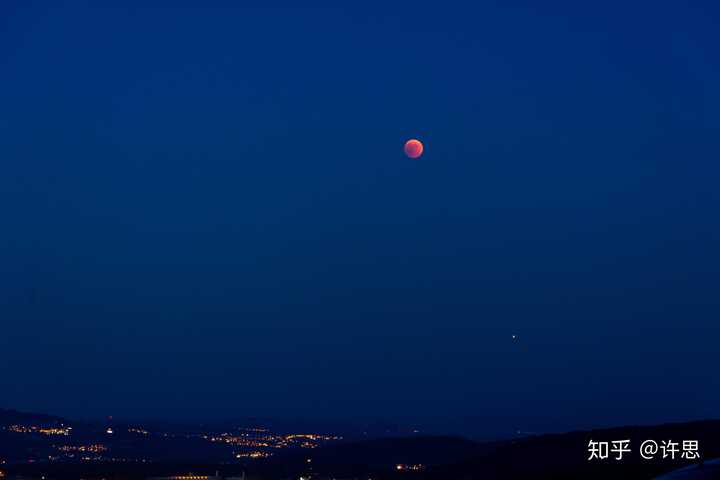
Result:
562,456
11,417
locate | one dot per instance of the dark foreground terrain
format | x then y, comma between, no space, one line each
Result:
46,447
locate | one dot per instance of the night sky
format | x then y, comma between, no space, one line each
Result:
207,212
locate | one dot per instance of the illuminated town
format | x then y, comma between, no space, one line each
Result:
37,429
246,443
265,439
249,452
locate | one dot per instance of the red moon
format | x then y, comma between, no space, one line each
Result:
413,148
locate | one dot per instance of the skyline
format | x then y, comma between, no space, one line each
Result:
209,212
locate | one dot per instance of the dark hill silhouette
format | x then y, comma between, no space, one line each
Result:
565,456
554,456
13,417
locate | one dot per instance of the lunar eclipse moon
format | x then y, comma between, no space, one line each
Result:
413,148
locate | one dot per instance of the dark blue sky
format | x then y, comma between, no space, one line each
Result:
206,211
